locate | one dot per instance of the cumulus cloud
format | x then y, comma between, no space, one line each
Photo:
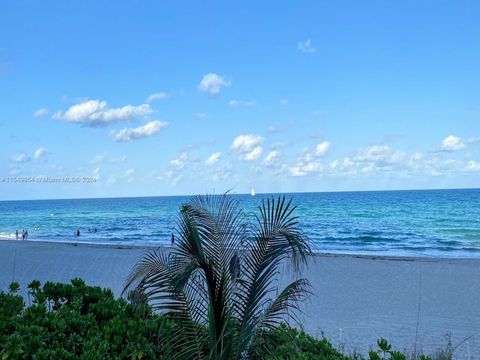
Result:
380,154
40,152
254,154
452,143
157,96
248,146
212,83
307,164
322,148
375,158
305,168
39,113
241,103
20,158
140,132
271,157
213,159
96,113
306,47
180,162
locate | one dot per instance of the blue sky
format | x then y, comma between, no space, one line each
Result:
183,97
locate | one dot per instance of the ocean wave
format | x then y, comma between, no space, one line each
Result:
6,235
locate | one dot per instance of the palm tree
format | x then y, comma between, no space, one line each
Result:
219,282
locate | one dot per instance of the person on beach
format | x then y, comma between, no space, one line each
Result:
23,234
16,234
77,233
26,235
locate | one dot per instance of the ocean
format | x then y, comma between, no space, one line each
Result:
419,223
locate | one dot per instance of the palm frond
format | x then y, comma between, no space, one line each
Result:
287,304
220,280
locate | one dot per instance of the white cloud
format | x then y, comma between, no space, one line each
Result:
20,158
239,103
254,154
39,113
179,162
157,96
380,154
307,164
248,146
310,163
271,157
96,113
452,143
129,172
140,132
305,168
306,47
173,178
322,148
473,166
213,159
39,153
201,116
178,169
212,83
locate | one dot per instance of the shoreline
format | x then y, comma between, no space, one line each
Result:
384,257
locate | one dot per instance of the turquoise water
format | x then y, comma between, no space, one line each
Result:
440,223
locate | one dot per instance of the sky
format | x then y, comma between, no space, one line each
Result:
146,98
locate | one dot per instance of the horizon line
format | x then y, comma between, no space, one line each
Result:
257,194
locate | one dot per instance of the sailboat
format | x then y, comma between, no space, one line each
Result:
253,192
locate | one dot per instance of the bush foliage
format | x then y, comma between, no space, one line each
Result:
76,321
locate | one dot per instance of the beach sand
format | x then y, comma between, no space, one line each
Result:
356,300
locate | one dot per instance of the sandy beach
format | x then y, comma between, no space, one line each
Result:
356,300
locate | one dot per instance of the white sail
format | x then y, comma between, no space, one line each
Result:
252,192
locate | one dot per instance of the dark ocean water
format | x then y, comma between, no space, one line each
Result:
439,223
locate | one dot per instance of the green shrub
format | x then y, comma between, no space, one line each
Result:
75,321
289,343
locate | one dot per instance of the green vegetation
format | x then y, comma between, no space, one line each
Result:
215,296
220,280
76,321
